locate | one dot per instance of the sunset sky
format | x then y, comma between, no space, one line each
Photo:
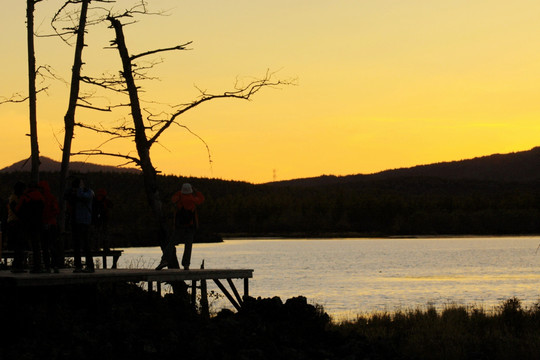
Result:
379,84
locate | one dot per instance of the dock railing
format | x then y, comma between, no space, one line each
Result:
104,254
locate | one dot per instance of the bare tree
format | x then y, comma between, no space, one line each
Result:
79,30
142,142
145,127
146,131
32,94
43,71
69,118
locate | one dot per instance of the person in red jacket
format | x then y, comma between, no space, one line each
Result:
30,211
186,222
49,235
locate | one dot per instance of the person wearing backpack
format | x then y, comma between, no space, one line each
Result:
185,223
80,200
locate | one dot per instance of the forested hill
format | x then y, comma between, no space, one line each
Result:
521,166
493,195
50,165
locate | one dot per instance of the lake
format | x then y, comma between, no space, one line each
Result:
357,276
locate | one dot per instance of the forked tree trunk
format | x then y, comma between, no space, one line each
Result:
69,118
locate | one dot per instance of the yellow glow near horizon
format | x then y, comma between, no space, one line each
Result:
381,85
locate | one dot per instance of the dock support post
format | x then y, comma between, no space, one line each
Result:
246,287
194,293
205,309
227,294
115,261
235,292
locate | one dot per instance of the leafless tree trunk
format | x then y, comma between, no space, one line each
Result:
146,131
34,147
141,141
69,118
156,127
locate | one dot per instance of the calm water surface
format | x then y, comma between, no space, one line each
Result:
353,276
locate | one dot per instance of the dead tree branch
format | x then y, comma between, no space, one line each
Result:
244,92
117,132
71,17
151,52
131,159
109,83
108,109
43,72
18,98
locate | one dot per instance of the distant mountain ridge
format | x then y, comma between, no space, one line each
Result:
50,165
523,166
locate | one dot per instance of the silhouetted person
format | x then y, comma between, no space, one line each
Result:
49,235
79,199
30,211
186,221
100,218
14,228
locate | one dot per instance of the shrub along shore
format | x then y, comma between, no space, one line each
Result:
124,321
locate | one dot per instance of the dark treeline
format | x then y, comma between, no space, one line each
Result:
391,207
395,207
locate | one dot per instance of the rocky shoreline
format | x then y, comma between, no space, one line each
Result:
123,321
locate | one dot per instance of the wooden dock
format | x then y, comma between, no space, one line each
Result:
150,276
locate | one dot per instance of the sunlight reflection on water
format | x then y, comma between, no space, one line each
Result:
351,276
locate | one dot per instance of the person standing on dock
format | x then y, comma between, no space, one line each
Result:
100,219
14,228
80,204
30,211
49,235
185,223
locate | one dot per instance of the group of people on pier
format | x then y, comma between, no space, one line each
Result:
32,224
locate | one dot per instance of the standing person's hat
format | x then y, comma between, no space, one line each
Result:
187,189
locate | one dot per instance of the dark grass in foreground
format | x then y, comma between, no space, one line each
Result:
124,322
509,332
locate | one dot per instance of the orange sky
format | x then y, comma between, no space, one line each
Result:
380,84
